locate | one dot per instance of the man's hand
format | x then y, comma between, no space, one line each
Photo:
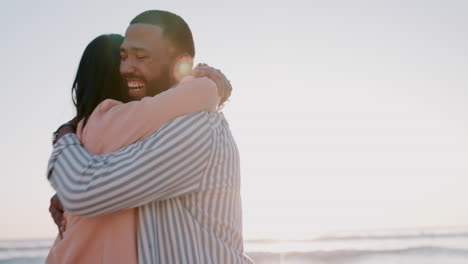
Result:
56,211
64,129
223,84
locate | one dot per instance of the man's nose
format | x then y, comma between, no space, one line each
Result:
127,67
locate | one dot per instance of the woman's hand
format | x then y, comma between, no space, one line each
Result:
223,84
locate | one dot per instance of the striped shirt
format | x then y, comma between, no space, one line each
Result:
185,179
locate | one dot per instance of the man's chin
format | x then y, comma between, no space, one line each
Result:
137,94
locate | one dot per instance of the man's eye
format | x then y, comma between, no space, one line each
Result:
123,56
141,57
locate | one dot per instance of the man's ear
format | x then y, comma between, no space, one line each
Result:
182,67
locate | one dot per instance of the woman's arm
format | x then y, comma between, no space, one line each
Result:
114,125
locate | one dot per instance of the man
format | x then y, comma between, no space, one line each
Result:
185,178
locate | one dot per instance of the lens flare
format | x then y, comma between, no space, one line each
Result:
183,68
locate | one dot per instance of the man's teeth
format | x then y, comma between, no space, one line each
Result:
135,85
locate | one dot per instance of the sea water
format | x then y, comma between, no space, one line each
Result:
435,246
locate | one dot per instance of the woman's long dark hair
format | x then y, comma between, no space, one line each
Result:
98,77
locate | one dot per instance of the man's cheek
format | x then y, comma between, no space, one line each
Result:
152,71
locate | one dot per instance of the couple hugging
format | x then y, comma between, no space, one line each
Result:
147,171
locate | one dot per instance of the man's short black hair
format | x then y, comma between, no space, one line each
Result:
175,29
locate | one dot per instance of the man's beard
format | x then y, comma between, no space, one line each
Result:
162,83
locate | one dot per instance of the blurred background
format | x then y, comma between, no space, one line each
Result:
351,118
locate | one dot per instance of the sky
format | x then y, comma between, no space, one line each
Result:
348,115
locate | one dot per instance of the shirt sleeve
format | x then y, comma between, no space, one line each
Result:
169,163
114,126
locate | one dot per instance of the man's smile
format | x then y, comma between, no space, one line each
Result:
135,84
136,88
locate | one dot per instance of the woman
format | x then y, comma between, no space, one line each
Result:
106,124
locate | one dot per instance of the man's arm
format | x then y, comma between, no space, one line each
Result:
169,163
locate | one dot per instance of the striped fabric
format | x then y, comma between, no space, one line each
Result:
185,179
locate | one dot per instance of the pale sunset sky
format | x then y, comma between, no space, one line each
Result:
349,115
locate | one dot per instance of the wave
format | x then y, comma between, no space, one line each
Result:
459,232
30,243
412,250
348,254
24,251
402,234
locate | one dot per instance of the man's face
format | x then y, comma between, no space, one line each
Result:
145,64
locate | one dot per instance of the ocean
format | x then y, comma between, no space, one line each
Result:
422,246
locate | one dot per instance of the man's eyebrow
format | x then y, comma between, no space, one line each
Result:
138,49
134,49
